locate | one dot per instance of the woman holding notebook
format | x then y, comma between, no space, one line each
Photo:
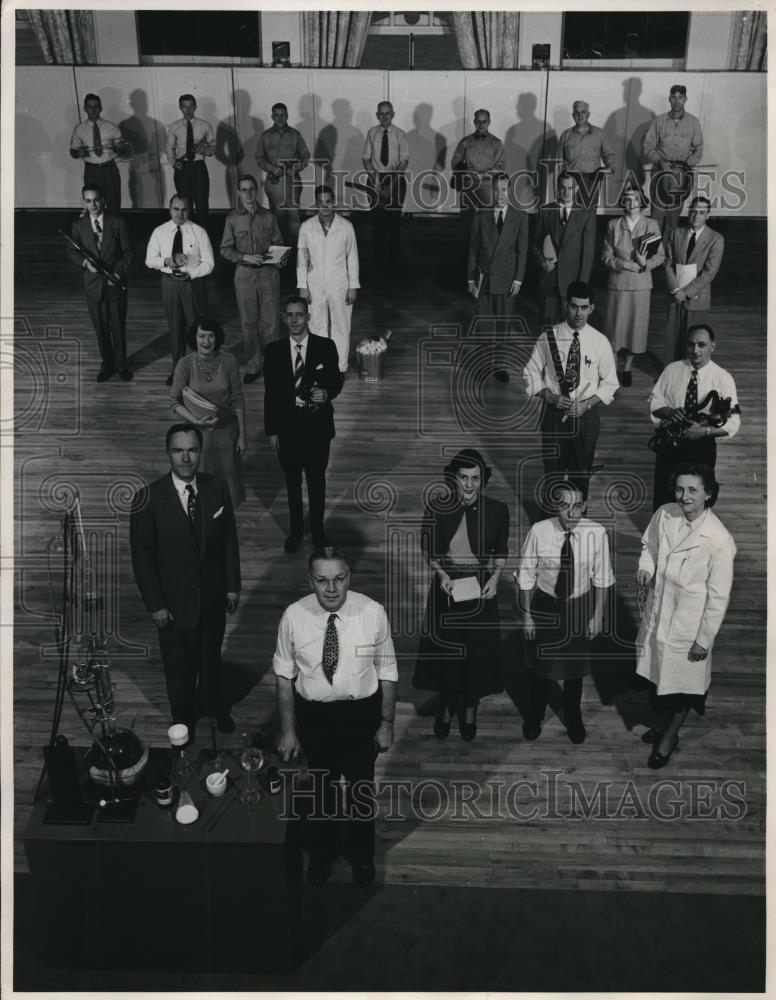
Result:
464,541
632,250
207,391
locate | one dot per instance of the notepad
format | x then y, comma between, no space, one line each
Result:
276,255
466,589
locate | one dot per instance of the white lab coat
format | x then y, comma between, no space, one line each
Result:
327,266
691,581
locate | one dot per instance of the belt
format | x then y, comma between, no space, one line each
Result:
253,267
108,163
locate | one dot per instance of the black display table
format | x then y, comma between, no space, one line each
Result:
155,895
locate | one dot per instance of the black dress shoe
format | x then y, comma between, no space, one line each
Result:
468,731
104,374
250,377
168,380
650,736
364,875
225,723
657,759
441,728
126,375
292,543
531,732
502,375
318,872
576,732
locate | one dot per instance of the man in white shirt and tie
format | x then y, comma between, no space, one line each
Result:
327,272
181,250
561,589
682,386
336,686
386,158
98,142
573,372
189,141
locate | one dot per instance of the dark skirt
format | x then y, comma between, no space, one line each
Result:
560,650
460,649
675,703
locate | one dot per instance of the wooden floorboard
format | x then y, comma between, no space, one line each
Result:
392,439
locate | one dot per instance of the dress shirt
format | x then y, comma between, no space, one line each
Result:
567,209
180,488
398,150
366,654
196,243
479,154
94,219
293,344
176,137
677,139
671,388
83,135
583,151
244,233
540,557
598,372
497,212
274,146
328,259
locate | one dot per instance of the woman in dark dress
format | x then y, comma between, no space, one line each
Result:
465,536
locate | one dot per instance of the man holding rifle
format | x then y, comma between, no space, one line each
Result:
99,245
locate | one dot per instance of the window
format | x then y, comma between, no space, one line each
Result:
427,22
225,34
625,35
413,39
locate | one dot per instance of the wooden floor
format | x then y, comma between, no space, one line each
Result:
702,833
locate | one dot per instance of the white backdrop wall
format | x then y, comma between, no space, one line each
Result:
334,108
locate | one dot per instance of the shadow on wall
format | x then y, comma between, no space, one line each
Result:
625,129
147,137
526,144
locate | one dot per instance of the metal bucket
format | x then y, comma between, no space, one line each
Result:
372,367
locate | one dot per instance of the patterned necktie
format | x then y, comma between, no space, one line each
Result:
691,396
330,649
96,140
691,244
571,375
564,217
98,233
500,222
177,242
192,508
564,585
298,369
384,149
189,141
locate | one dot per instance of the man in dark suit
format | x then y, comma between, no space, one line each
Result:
702,248
571,231
186,561
104,236
301,377
498,248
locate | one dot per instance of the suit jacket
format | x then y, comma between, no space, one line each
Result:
574,246
281,414
707,254
619,246
116,251
501,256
171,571
487,528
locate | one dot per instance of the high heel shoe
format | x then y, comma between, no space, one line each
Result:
441,728
649,736
468,729
657,759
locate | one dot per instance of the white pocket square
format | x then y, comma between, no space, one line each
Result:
319,368
218,513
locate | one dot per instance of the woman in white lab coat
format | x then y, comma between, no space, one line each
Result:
687,562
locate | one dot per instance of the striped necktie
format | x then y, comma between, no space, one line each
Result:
298,369
98,233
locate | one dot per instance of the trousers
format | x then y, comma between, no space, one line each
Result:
330,316
258,302
183,301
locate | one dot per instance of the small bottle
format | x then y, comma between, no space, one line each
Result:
163,791
274,781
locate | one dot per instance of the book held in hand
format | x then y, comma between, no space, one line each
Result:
466,589
648,244
198,405
276,255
